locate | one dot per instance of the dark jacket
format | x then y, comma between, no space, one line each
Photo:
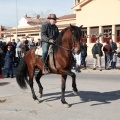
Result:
9,59
107,49
49,31
83,50
114,46
99,50
38,44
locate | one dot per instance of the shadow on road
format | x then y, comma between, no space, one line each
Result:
87,96
4,83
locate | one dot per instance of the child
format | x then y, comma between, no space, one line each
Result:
114,60
9,62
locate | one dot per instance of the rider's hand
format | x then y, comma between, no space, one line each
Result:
51,41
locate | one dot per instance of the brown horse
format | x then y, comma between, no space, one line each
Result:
68,41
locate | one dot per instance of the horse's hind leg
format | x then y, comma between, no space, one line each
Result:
31,74
38,76
63,86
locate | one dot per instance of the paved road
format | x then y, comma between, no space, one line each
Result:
98,98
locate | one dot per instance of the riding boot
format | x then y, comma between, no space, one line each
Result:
45,68
8,75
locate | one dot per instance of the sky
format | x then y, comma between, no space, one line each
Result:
8,14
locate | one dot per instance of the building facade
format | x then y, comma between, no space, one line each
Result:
30,27
98,16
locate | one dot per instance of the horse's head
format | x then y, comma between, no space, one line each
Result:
76,38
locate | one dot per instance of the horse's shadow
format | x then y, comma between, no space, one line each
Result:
4,83
87,96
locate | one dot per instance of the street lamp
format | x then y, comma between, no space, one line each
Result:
16,20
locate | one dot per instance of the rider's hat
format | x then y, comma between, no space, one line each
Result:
52,16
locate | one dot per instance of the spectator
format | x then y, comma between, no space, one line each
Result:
114,60
38,43
114,48
19,48
1,59
107,51
83,54
9,62
118,53
32,43
2,56
26,47
14,50
97,54
0,70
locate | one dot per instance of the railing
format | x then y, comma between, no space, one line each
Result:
93,39
117,39
84,40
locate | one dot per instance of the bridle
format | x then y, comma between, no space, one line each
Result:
73,42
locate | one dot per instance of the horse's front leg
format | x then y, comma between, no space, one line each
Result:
39,75
75,90
63,86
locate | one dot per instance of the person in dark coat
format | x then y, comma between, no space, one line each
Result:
97,54
49,33
83,54
38,43
26,47
14,50
107,51
114,48
9,62
1,59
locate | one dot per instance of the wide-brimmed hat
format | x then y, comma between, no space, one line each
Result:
52,16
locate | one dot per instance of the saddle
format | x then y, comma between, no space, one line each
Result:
50,55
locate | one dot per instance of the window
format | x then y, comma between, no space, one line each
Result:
34,34
84,35
118,36
107,30
21,35
94,31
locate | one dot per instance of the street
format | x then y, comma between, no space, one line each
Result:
98,98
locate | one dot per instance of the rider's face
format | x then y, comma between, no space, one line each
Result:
52,21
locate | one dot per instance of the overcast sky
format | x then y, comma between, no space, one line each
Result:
32,7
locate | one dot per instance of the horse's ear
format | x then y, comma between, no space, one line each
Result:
71,27
81,26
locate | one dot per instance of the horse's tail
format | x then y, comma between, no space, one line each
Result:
22,72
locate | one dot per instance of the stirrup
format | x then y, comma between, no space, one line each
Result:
45,70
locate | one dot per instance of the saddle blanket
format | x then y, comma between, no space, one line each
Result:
38,51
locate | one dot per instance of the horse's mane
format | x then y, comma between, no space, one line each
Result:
77,34
58,41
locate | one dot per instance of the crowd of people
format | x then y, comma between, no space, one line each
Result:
49,33
12,52
110,51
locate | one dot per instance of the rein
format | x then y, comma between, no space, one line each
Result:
58,46
64,47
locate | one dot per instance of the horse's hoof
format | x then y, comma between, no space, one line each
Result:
40,95
66,105
36,101
75,93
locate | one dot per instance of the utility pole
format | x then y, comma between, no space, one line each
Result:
16,20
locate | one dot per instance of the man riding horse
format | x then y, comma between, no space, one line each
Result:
49,33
